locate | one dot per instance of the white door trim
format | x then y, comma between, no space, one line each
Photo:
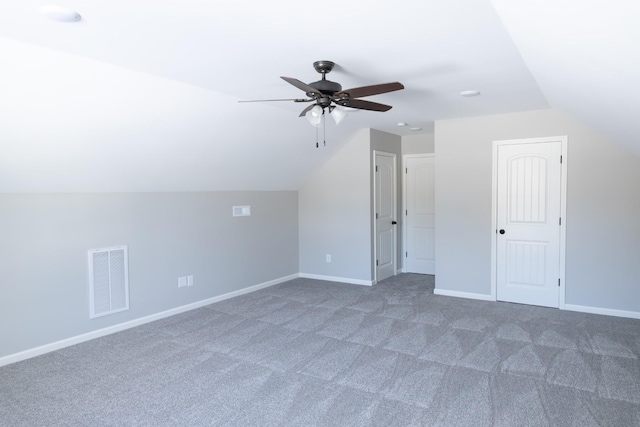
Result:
395,214
404,198
563,209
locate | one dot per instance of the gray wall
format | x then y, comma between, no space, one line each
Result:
603,207
45,238
334,209
418,144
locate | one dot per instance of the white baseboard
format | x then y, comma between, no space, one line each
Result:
569,307
603,311
458,294
338,279
37,351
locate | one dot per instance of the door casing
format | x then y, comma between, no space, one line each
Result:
563,209
394,255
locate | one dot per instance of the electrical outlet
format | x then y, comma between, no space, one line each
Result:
189,280
328,257
182,281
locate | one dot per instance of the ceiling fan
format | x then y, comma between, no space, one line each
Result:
329,95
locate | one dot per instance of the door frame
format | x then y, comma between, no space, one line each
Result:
404,199
395,213
563,209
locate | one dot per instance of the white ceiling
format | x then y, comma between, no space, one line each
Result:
142,95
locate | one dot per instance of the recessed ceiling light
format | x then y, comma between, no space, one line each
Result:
469,93
416,129
60,14
402,124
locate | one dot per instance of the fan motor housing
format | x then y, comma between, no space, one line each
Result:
327,87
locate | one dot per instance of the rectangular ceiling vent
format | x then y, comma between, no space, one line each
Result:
108,281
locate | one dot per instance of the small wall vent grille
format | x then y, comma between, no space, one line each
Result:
108,281
242,211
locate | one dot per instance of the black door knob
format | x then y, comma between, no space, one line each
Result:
394,222
501,231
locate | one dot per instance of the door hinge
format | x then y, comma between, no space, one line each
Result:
406,254
560,159
376,215
558,282
406,211
377,263
560,221
376,168
406,170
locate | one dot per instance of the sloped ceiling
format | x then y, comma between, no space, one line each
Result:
585,57
142,95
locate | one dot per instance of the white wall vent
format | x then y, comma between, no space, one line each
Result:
242,211
108,281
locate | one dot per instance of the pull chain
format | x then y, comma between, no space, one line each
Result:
324,132
324,129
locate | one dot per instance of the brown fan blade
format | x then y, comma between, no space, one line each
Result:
306,110
300,85
359,92
272,100
365,105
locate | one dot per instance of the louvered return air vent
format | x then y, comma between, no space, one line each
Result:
108,281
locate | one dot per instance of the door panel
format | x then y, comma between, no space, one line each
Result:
526,263
420,215
385,205
528,221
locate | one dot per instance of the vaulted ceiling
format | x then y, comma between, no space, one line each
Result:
141,95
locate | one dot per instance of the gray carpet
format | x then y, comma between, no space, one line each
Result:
307,353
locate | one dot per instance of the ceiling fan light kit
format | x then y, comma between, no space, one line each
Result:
337,113
314,115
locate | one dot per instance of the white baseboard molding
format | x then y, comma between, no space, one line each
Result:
338,279
603,311
37,351
458,294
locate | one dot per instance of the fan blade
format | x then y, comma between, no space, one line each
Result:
272,100
300,85
359,92
306,110
365,105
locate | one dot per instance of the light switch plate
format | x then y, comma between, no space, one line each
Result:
182,281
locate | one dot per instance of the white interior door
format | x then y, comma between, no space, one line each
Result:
385,215
420,215
528,223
